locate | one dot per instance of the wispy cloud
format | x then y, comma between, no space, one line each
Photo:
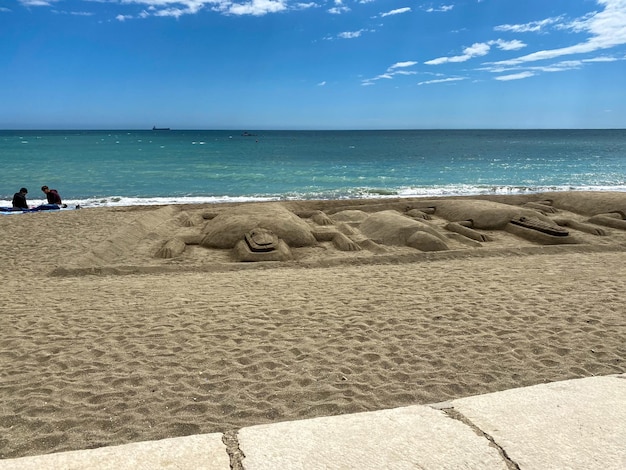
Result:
399,68
74,13
603,59
607,29
339,8
37,3
398,65
442,80
513,45
398,11
257,7
351,34
531,27
515,76
178,8
348,34
561,66
442,8
477,50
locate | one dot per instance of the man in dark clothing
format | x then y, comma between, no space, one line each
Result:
19,199
52,195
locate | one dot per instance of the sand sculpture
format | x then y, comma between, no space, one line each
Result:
265,232
467,216
331,232
270,232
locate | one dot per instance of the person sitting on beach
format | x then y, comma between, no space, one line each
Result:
52,195
19,199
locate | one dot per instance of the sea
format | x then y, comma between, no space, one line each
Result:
142,167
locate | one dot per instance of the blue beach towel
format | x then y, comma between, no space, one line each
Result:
43,207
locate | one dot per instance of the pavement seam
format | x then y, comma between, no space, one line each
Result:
457,415
231,441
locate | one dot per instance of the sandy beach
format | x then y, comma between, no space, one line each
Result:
128,324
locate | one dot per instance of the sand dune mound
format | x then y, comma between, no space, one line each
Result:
125,240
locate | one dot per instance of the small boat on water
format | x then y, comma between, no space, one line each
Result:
155,128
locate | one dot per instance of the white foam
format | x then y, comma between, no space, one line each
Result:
351,193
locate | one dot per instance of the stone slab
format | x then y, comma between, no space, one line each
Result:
574,424
199,452
402,438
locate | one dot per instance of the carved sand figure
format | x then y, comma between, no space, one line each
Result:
589,203
612,219
392,228
209,237
467,216
263,232
228,228
604,208
269,232
261,244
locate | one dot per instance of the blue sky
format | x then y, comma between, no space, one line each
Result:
321,64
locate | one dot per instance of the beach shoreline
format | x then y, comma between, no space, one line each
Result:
122,346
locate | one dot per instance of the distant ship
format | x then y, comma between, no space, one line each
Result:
155,128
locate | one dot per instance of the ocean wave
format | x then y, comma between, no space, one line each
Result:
344,193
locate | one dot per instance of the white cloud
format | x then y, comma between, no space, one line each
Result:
178,8
479,49
338,10
607,29
37,3
352,34
398,11
442,8
556,67
396,69
515,76
475,50
561,66
442,80
71,13
349,34
408,63
322,83
304,6
602,59
532,27
257,7
508,45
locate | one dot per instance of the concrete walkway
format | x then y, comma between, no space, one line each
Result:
575,424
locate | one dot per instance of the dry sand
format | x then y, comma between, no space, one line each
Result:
102,343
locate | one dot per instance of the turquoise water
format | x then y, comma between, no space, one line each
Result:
154,167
